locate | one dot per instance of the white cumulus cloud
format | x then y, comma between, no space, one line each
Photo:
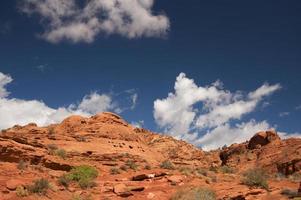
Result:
205,115
67,20
18,111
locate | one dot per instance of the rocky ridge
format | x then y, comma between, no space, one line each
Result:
135,163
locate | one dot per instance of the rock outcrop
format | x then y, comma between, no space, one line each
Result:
129,161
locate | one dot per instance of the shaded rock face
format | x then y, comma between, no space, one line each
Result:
263,138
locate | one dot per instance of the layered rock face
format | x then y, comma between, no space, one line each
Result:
265,150
134,163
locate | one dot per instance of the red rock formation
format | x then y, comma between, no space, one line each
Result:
110,144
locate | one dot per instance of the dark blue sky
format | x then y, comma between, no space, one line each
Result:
241,43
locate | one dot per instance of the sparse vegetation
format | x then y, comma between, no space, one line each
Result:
186,171
84,175
39,186
64,181
55,150
114,171
85,183
226,169
213,169
201,171
131,164
61,153
198,193
52,148
295,177
22,165
147,167
255,178
167,165
21,191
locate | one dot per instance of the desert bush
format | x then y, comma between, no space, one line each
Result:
22,165
114,170
39,186
289,193
52,148
226,169
255,178
147,167
167,165
64,180
85,183
201,171
21,191
197,193
131,164
61,153
295,177
84,175
186,171
213,169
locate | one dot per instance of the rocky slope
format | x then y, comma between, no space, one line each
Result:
134,163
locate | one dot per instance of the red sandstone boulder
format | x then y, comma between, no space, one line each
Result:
262,138
12,184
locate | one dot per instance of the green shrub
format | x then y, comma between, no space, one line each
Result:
114,170
131,164
60,153
226,169
198,193
40,186
167,165
21,191
84,175
255,178
85,183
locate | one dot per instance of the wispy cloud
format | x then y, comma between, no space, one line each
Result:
284,114
19,111
67,20
204,115
298,107
41,67
138,124
134,99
